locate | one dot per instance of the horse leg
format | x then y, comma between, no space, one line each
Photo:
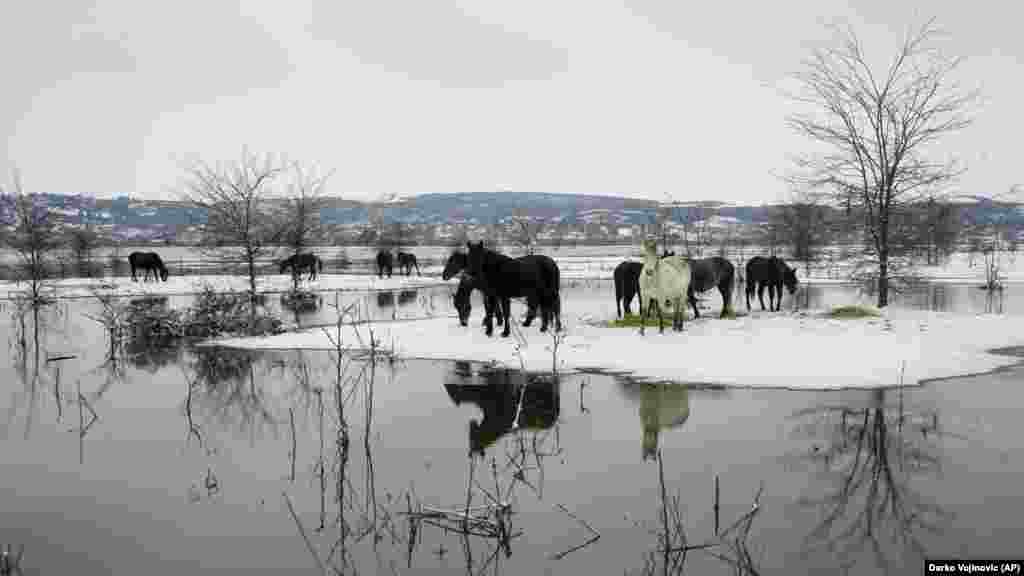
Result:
771,297
726,300
506,309
693,302
760,295
750,291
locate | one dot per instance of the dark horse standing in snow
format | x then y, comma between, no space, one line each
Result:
385,261
534,277
148,262
627,285
300,262
462,304
708,273
773,273
406,261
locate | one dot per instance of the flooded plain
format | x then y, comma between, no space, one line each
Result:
207,459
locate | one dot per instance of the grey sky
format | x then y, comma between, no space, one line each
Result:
640,98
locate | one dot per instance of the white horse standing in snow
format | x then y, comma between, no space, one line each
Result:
664,282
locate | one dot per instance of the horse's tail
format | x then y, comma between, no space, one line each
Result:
619,280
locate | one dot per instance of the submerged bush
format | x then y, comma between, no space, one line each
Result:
848,312
228,313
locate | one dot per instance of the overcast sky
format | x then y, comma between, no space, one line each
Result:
637,98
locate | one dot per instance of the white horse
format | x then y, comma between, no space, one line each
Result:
664,282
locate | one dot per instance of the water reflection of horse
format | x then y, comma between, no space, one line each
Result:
497,393
385,299
149,263
662,407
406,297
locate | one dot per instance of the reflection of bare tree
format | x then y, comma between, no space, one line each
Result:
509,400
226,386
872,453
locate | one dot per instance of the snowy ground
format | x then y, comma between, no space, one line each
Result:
80,287
802,350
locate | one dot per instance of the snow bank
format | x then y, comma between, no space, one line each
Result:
79,287
769,350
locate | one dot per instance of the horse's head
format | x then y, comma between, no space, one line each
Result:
163,273
475,258
282,265
455,264
789,279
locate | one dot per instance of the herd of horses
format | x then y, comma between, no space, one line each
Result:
386,263
658,282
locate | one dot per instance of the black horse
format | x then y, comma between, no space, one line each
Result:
535,277
462,304
459,262
385,261
406,261
708,273
498,393
148,262
627,284
773,273
300,262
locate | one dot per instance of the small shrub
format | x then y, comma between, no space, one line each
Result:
852,312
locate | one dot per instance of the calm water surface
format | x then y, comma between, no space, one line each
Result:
177,460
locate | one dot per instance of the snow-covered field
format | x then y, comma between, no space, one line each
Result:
783,349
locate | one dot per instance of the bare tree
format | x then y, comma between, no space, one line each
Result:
527,230
938,230
34,237
235,197
802,227
301,225
877,128
993,233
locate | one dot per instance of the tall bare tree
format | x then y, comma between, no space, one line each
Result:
877,126
235,196
304,198
802,226
34,236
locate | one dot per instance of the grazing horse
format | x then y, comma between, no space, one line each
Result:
773,273
708,273
462,304
664,281
300,262
149,262
459,262
535,277
627,284
385,261
406,261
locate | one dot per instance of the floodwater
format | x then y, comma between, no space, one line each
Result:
208,459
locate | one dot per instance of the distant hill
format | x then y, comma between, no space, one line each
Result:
454,208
